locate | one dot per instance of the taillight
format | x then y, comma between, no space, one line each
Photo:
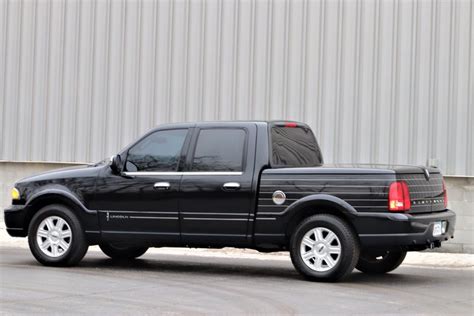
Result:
398,197
445,195
291,124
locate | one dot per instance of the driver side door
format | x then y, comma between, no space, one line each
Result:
142,201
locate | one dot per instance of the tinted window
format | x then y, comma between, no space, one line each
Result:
219,150
159,151
294,147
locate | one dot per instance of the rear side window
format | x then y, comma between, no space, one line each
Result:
159,151
219,150
294,147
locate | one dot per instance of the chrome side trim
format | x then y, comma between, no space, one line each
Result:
341,193
214,213
328,179
128,232
354,206
139,212
352,200
185,173
214,219
152,217
275,235
323,185
213,235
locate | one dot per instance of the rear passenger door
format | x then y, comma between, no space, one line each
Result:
216,188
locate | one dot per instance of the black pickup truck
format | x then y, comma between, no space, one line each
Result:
251,184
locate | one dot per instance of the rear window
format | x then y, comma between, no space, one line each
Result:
294,147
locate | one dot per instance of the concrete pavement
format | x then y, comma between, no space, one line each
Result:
204,281
179,284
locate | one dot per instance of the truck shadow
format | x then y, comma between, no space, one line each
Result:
152,265
224,267
241,268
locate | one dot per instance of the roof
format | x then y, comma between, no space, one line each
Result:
190,124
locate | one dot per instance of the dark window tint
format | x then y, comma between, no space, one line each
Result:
219,150
159,151
294,147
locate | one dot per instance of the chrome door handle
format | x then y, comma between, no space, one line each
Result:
162,186
231,186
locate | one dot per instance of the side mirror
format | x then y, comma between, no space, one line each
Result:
116,164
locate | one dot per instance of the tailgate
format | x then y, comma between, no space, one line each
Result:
426,193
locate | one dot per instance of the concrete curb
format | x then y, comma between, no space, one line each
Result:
421,259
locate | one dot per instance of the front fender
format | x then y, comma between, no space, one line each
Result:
59,192
61,195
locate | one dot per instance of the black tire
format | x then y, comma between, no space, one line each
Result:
78,244
373,262
122,252
349,248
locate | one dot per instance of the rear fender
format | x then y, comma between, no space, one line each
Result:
318,204
322,200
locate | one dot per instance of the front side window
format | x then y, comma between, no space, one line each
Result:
219,150
159,151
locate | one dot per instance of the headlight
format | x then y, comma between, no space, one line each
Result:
15,194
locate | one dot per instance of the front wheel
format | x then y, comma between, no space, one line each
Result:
373,262
56,237
324,248
116,251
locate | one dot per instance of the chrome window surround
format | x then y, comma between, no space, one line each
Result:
184,173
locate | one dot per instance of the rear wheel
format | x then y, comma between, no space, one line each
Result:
379,262
116,251
324,248
56,237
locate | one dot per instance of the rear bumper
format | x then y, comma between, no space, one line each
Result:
14,220
411,232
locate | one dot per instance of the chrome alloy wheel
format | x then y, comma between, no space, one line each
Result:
320,249
54,236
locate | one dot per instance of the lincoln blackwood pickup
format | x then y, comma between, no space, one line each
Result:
260,185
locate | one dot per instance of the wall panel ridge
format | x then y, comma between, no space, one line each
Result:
379,81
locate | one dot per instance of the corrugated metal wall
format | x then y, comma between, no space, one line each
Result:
386,81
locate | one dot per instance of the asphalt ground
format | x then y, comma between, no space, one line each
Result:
163,283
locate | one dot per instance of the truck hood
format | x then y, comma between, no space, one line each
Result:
64,173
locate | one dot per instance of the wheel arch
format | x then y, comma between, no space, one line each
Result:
319,204
49,197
